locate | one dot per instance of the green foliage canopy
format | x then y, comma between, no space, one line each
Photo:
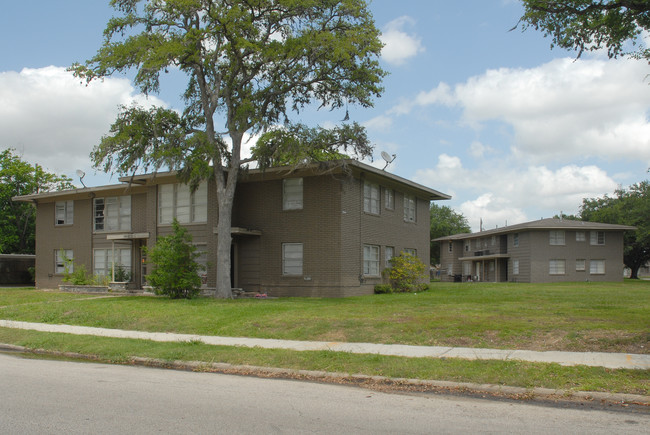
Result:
18,219
249,64
627,207
445,222
591,24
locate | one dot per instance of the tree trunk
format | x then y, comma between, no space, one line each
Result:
634,272
224,241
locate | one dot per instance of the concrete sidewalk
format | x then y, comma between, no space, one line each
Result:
594,359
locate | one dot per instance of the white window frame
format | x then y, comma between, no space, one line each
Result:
411,251
370,260
515,240
60,255
597,238
114,214
123,259
371,202
515,267
580,236
177,201
557,238
581,265
389,199
557,266
597,267
292,194
389,252
292,259
64,213
410,208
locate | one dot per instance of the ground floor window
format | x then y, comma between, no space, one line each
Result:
410,251
557,267
61,256
371,260
390,253
597,267
103,263
202,259
292,258
515,267
580,265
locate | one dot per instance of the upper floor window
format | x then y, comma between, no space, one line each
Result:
450,247
580,236
389,200
64,213
556,237
178,201
371,198
409,208
112,214
467,246
292,194
515,240
597,237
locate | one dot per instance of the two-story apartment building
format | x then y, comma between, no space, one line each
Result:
301,232
547,250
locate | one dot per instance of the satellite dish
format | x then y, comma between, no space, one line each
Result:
81,174
388,158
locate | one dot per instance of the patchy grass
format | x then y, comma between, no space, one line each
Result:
512,373
607,317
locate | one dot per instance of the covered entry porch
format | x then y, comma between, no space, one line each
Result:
485,268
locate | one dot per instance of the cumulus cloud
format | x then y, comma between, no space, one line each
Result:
503,192
380,123
53,120
564,108
399,46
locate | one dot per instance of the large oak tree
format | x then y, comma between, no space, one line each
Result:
249,64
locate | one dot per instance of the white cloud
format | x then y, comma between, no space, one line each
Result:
399,45
502,192
379,123
53,120
478,150
562,109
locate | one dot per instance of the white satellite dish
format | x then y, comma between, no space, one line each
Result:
388,158
81,174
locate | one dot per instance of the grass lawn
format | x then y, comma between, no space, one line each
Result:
573,316
607,317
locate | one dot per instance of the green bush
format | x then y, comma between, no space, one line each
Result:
79,276
122,275
407,273
176,272
383,289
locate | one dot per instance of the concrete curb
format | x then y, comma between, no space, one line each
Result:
372,382
592,359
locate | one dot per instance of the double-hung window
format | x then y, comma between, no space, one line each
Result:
292,258
112,213
556,237
390,253
597,267
292,194
557,267
409,208
371,260
580,265
64,213
515,240
389,199
61,257
103,261
580,236
179,202
371,198
597,237
515,267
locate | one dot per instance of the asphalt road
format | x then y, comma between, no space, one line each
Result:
41,396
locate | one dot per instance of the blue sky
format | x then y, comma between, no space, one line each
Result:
513,130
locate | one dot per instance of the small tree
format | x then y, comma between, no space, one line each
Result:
407,273
176,270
